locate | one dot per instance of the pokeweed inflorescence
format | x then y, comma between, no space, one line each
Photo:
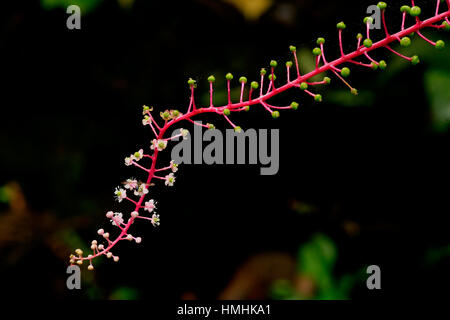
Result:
256,94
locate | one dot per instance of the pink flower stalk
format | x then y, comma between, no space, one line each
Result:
172,117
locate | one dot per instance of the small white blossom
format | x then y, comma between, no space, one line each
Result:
120,194
117,219
155,219
170,179
138,155
141,190
184,133
158,144
131,184
109,214
173,166
150,205
134,214
129,161
146,109
147,120
138,239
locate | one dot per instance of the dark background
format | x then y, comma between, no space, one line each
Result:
367,173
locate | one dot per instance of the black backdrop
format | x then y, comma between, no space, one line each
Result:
71,109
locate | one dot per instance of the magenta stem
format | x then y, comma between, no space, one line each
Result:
261,100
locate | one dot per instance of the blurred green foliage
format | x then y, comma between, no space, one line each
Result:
316,260
437,84
4,197
85,5
124,293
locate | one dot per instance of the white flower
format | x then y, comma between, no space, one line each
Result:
141,190
109,214
138,155
117,219
131,184
129,161
155,220
150,205
173,166
146,120
170,179
184,133
120,194
158,144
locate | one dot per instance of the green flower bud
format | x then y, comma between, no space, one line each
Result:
354,92
317,51
274,77
345,72
440,45
191,82
359,36
368,20
237,129
211,79
275,114
294,105
341,25
247,108
406,9
415,60
374,66
320,41
175,113
288,64
318,98
292,48
146,109
165,115
243,80
226,112
210,126
405,42
254,85
229,76
273,63
415,11
382,5
263,71
327,80
303,86
446,26
382,64
367,43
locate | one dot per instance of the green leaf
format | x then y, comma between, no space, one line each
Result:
437,84
85,5
124,293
